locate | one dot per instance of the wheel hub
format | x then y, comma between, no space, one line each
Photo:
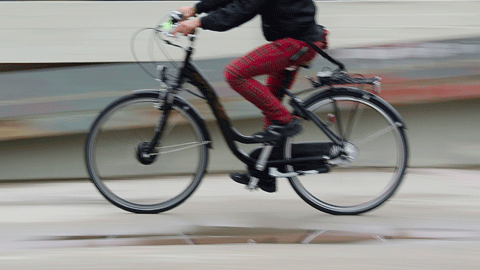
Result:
144,155
348,154
350,151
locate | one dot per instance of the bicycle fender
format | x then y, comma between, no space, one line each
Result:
184,104
389,109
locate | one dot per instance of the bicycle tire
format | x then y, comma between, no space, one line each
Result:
345,190
111,154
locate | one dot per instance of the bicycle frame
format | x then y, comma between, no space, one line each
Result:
194,76
108,152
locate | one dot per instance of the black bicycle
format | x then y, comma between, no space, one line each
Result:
148,151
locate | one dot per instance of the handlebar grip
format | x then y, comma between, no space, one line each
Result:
176,16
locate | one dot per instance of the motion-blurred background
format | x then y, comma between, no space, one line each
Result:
61,62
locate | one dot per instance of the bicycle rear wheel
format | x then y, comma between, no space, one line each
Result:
377,151
153,185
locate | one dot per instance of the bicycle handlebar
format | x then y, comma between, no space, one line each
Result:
166,28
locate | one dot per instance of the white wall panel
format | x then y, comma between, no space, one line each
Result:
55,31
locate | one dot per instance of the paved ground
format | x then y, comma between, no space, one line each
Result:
432,223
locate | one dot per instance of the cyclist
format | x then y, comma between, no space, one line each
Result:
287,25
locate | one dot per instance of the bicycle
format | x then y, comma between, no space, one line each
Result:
139,139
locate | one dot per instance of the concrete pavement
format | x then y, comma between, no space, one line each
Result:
433,222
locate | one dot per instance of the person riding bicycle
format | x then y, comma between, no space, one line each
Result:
287,25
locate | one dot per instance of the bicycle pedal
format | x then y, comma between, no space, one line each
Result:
252,184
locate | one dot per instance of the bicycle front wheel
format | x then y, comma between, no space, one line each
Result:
374,167
151,185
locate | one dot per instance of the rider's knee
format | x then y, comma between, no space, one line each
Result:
231,75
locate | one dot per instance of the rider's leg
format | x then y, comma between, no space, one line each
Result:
274,83
275,80
269,59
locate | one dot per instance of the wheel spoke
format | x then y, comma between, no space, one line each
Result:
139,136
171,123
184,146
338,120
355,115
374,136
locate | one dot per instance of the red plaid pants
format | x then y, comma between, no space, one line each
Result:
270,59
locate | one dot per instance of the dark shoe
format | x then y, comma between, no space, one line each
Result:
267,185
277,131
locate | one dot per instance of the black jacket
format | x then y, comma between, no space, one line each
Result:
280,18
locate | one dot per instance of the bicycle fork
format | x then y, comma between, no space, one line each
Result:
147,151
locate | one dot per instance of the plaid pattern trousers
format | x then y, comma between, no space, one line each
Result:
270,59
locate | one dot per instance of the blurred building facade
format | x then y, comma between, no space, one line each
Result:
62,62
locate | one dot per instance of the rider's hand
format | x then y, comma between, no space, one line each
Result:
187,11
187,27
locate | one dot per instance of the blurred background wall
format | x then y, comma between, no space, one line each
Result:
62,62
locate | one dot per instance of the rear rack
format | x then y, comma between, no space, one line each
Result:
339,77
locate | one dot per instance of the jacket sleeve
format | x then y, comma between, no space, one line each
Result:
209,5
232,15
